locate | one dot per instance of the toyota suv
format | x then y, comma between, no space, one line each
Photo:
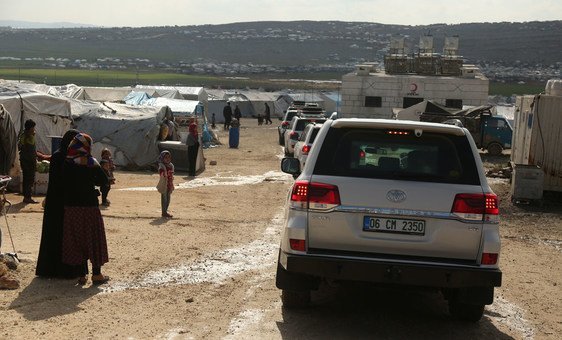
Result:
296,127
298,108
393,203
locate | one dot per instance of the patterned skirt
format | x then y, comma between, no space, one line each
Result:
84,236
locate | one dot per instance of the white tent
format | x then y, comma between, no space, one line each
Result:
105,94
8,142
51,114
250,102
188,93
131,133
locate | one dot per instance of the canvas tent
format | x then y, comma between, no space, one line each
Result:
427,106
8,142
105,94
51,114
283,101
131,133
188,93
250,102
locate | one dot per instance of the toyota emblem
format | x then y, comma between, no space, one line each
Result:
396,196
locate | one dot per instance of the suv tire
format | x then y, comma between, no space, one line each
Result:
466,312
294,299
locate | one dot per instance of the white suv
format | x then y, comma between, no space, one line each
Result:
304,144
392,202
296,127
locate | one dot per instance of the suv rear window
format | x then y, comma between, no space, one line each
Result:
370,153
290,115
313,134
302,123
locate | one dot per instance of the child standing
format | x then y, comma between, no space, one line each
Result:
108,167
166,182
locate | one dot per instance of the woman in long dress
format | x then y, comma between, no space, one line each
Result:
49,261
83,232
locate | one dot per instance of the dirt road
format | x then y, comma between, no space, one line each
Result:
209,272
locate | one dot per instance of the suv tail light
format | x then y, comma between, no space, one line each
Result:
476,207
294,135
305,149
317,196
489,258
297,244
285,124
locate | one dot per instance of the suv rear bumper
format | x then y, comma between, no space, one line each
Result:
391,272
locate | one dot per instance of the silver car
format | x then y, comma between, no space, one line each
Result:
392,202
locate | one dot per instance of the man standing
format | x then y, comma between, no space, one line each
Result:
237,113
227,113
28,159
267,115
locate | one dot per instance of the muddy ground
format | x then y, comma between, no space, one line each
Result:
209,272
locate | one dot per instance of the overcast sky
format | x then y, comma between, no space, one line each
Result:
138,13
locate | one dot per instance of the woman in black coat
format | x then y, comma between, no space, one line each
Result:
49,261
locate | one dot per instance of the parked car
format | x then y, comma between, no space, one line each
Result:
303,109
304,144
296,127
392,202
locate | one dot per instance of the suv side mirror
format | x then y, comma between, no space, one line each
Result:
291,166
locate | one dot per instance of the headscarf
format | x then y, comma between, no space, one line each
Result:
162,164
79,151
66,139
162,155
193,130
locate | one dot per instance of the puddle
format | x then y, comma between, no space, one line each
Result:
213,268
512,316
219,179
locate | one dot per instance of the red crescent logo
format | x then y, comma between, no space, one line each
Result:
413,87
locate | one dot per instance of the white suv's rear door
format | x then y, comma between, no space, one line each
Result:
368,221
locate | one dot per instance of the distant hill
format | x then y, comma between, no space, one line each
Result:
29,24
282,43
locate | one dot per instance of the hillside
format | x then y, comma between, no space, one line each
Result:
335,45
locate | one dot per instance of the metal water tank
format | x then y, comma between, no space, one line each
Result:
526,183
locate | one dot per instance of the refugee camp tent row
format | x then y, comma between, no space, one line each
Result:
186,92
130,132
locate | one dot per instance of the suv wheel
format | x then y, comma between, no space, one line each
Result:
294,299
495,149
466,312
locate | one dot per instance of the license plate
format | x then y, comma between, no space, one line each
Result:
394,225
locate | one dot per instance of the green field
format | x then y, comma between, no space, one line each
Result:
509,89
128,78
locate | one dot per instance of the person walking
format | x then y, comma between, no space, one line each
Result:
227,113
192,148
49,260
166,182
267,114
237,113
83,228
28,159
